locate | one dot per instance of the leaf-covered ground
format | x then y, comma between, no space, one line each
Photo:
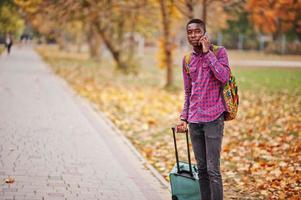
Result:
261,149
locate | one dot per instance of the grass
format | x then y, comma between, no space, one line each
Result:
269,79
2,49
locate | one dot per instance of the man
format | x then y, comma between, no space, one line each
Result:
8,42
204,107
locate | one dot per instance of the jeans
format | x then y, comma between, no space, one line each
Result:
206,141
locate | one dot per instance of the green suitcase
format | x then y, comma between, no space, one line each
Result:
183,177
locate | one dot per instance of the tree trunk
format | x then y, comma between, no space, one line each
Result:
204,11
116,53
189,5
169,72
131,39
61,40
94,43
167,43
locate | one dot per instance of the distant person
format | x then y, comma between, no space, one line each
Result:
24,38
204,73
8,42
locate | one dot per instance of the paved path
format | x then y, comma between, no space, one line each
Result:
266,63
56,146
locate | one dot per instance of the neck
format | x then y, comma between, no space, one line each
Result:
198,49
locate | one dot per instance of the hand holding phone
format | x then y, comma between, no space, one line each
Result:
204,43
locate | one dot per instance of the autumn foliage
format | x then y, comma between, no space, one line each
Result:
277,16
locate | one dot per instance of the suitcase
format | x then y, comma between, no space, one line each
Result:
183,177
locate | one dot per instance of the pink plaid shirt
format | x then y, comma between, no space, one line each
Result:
203,100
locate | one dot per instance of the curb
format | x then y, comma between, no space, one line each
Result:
154,172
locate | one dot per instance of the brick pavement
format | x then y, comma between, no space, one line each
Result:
56,146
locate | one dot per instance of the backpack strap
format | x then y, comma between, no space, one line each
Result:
215,49
187,62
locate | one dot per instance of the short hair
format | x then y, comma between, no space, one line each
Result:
197,21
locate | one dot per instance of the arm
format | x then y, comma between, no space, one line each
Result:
187,89
219,64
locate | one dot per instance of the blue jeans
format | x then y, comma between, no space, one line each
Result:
206,141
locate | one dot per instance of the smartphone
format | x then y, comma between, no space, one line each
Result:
205,35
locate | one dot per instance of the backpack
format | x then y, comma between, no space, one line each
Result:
230,90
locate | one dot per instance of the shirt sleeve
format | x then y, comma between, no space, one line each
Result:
219,64
187,90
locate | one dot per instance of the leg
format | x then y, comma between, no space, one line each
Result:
213,139
8,49
198,144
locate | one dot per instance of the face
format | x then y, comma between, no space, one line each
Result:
194,33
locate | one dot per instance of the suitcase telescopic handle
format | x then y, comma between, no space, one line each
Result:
176,150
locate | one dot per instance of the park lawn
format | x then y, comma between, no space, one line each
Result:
2,49
260,148
269,79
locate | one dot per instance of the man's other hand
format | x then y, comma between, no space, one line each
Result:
181,127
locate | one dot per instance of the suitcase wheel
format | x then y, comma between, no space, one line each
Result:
174,197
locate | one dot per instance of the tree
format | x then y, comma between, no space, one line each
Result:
115,22
10,19
239,32
215,15
216,18
187,7
168,15
46,18
275,17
